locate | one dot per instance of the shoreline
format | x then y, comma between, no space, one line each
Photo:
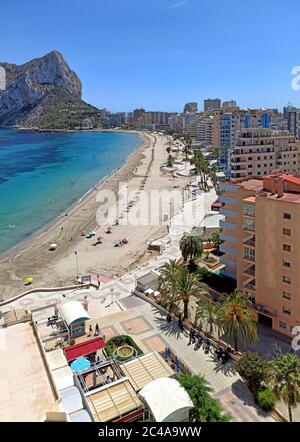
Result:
36,234
31,258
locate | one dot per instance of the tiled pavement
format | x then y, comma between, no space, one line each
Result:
151,332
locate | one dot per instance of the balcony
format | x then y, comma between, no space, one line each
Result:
250,286
228,262
227,250
228,238
250,271
226,225
249,227
264,310
226,200
229,213
249,257
227,274
227,187
249,213
249,242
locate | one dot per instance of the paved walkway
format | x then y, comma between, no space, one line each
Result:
151,332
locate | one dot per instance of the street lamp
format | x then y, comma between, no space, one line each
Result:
76,258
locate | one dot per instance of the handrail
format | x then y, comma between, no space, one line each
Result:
45,289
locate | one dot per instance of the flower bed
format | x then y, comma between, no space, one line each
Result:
119,341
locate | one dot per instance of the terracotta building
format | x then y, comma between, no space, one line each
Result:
262,244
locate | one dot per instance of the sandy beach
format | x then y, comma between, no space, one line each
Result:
58,268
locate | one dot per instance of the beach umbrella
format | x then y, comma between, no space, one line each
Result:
53,246
28,279
80,364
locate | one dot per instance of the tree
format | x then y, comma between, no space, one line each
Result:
253,370
168,285
208,313
188,286
284,379
216,240
202,169
191,247
206,409
237,319
214,178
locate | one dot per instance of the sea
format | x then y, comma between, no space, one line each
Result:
44,173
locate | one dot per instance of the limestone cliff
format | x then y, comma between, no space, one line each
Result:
44,94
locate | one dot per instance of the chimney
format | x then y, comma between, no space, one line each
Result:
273,185
280,189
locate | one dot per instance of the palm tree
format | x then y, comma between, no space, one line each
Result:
237,319
168,284
191,247
206,409
188,285
214,178
208,313
284,379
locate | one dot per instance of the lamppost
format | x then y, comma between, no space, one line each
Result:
76,259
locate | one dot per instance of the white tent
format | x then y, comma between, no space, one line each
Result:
167,400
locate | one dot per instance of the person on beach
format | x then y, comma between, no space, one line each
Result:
90,330
97,330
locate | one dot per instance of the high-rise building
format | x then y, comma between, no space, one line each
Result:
294,122
138,117
205,130
212,104
229,104
263,151
229,125
190,107
262,242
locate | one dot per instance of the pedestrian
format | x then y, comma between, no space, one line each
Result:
191,335
90,330
97,330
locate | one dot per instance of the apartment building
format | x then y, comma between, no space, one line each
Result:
205,130
212,104
294,121
259,152
261,244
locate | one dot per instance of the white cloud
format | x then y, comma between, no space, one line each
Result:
178,4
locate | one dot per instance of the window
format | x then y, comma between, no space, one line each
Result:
282,325
249,210
286,264
249,254
287,216
287,311
287,232
286,248
286,279
287,295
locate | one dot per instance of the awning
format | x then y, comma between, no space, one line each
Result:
73,311
84,348
167,399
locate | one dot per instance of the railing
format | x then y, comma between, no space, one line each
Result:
249,242
265,310
250,271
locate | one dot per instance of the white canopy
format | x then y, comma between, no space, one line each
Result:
73,311
167,400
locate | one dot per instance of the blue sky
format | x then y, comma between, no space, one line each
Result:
160,54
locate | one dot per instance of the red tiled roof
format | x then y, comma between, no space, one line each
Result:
83,348
289,178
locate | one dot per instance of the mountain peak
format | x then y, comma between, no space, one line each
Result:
30,83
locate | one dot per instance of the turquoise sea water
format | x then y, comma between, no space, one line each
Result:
42,174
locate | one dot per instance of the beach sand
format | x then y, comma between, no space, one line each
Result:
58,268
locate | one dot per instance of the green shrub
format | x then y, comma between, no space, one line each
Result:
266,399
117,341
253,370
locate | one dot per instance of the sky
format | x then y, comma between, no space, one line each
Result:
160,54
